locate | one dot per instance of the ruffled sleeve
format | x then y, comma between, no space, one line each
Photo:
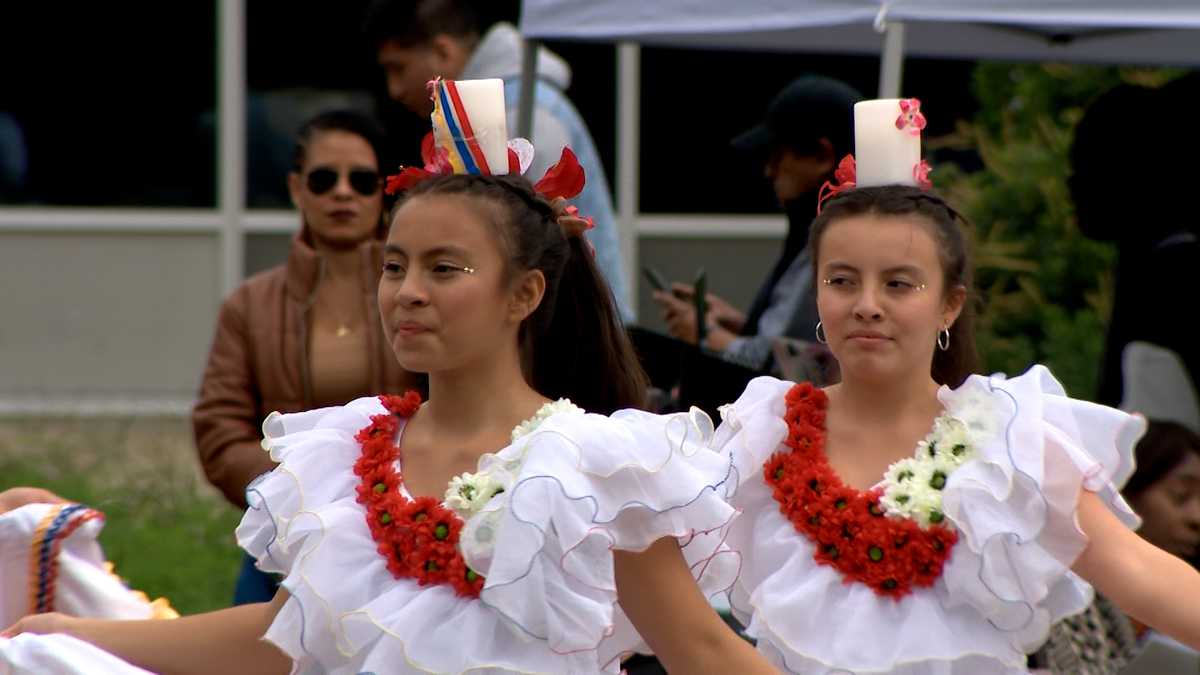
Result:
303,522
586,485
1016,504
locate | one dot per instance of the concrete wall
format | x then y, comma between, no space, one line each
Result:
98,321
94,318
266,250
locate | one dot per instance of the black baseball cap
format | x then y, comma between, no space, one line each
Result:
810,108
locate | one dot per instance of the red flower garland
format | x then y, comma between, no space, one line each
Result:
418,537
848,526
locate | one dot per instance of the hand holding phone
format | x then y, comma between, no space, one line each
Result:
654,278
700,301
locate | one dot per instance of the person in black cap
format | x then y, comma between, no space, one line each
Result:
809,127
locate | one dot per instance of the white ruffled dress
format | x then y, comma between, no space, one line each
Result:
1008,578
576,487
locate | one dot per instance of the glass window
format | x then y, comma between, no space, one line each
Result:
306,58
694,102
108,104
303,59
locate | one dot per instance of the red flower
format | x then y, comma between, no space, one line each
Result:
418,538
408,177
377,481
846,177
565,179
910,119
465,580
848,529
437,163
921,175
402,406
799,392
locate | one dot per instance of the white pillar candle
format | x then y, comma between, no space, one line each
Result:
483,101
883,154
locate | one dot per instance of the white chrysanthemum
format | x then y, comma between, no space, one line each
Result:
926,448
927,508
952,440
544,413
912,487
977,409
946,464
470,492
900,485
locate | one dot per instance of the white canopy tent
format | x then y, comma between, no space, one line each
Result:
1113,31
1151,32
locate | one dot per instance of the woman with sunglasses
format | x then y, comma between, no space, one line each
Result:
304,334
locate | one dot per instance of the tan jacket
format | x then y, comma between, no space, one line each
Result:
258,363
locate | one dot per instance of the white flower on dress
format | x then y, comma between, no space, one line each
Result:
526,427
470,492
974,406
912,487
901,487
951,439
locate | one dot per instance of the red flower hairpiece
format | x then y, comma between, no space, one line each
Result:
437,163
910,119
565,179
845,176
921,175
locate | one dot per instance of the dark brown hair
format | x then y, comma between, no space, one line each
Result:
1164,446
412,23
573,345
952,366
348,121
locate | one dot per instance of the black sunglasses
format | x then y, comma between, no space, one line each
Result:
364,181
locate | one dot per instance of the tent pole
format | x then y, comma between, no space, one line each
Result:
231,136
529,57
891,65
629,106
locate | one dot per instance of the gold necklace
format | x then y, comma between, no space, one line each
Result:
343,325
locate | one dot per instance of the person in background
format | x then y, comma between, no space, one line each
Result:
1158,246
16,497
304,334
419,40
806,132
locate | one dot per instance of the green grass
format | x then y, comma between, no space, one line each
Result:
167,531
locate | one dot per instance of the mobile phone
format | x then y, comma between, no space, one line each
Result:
656,280
700,298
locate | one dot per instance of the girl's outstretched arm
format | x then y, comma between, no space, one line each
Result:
1146,582
659,595
224,641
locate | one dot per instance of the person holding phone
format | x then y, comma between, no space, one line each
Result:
807,129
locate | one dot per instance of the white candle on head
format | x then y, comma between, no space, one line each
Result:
483,101
883,154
